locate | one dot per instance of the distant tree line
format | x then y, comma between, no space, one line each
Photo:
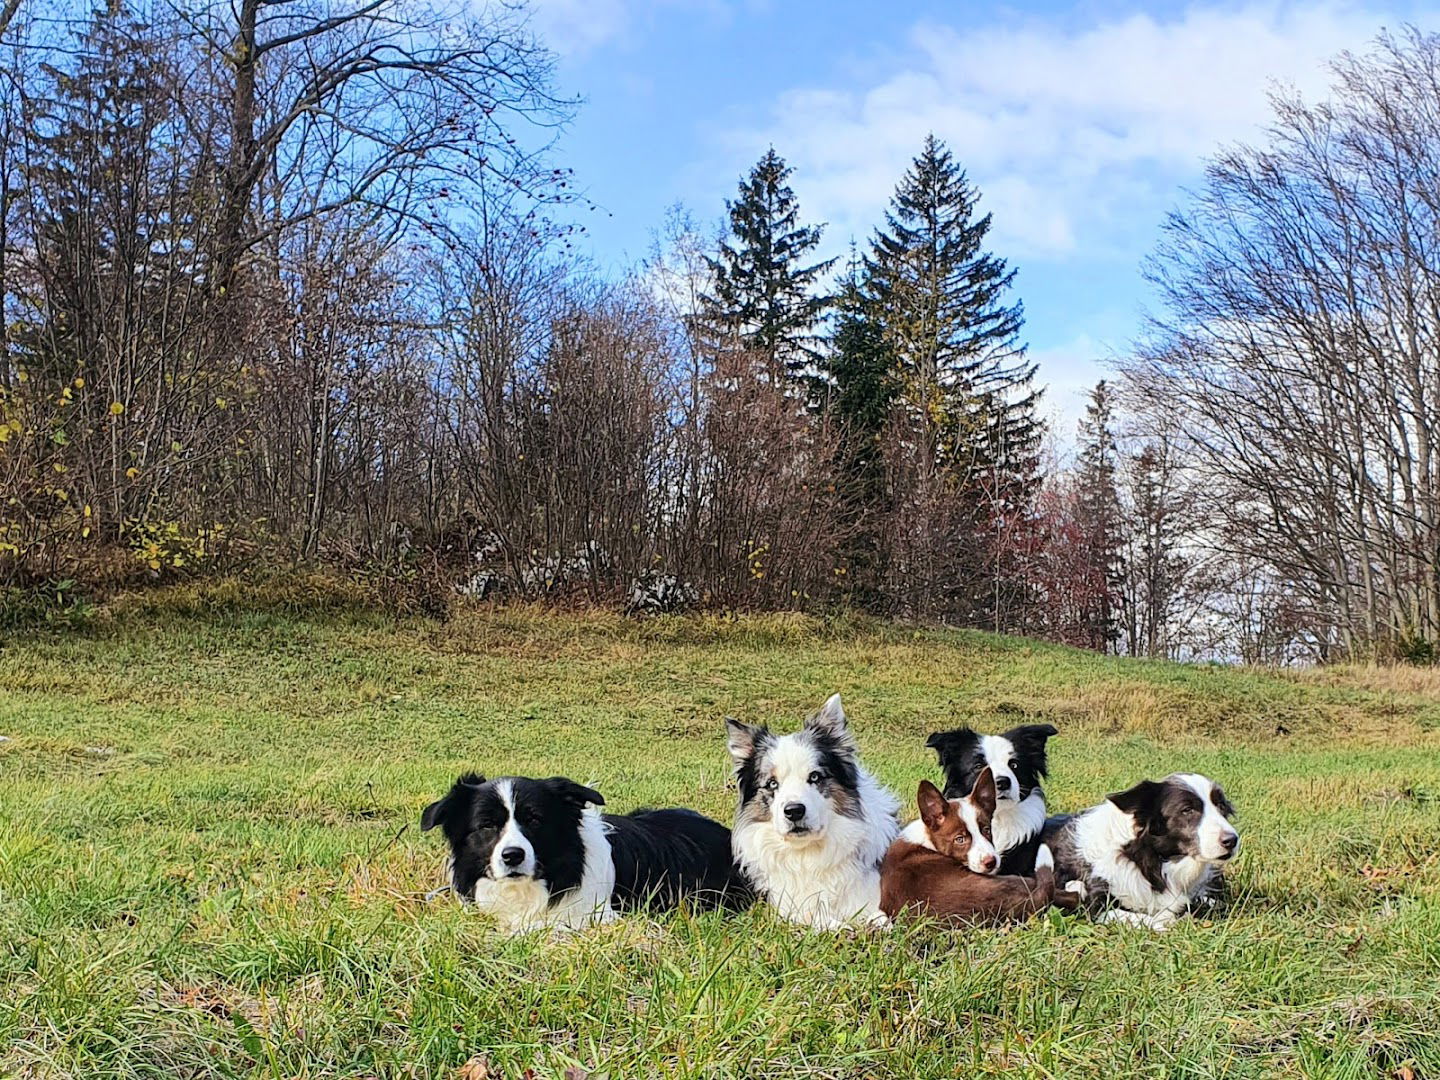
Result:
291,282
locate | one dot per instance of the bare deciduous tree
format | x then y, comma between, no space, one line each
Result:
1300,349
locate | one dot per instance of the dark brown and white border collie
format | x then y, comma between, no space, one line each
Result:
1147,855
1018,761
536,853
944,864
812,825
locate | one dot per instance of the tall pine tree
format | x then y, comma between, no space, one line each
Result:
964,378
765,298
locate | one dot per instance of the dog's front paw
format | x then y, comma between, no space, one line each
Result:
1078,888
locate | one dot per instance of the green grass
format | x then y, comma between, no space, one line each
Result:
210,863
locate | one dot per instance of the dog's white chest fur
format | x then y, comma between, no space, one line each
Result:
1016,822
519,905
1100,834
834,879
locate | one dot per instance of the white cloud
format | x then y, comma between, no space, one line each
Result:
1069,371
575,28
1076,136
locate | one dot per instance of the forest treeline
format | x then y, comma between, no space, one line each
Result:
296,283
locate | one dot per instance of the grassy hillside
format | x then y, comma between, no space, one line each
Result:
210,862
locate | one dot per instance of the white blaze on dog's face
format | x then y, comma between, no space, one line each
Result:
961,828
1000,756
513,855
1017,759
798,783
1184,815
512,829
1216,840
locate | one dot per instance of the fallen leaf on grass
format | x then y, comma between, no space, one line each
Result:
477,1068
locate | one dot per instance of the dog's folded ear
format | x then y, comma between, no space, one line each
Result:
831,723
433,814
741,739
458,797
948,743
1217,796
1142,800
1033,735
570,791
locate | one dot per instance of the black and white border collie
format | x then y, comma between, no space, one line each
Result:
1017,761
1147,855
536,853
812,826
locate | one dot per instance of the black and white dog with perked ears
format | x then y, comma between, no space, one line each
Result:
1147,855
812,826
1017,761
536,853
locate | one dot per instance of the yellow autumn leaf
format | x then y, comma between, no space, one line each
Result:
79,383
132,472
116,408
175,447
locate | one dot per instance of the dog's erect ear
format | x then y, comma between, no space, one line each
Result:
439,810
831,723
1222,804
983,794
947,744
742,739
933,805
1141,801
570,791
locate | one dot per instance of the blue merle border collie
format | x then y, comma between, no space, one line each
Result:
812,826
1017,760
1149,854
536,853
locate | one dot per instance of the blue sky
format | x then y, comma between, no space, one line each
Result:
1081,123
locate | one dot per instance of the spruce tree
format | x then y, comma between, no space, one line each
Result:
1100,521
963,379
955,339
765,297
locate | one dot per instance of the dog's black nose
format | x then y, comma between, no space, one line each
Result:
512,856
1002,784
1230,841
795,811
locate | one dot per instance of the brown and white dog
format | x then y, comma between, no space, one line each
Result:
944,864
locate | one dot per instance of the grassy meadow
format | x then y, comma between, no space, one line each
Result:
210,861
